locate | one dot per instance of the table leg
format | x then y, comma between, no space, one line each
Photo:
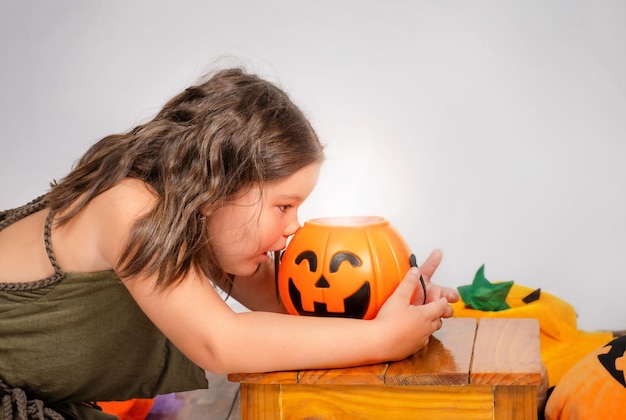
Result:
515,402
260,402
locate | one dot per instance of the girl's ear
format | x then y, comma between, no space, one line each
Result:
207,210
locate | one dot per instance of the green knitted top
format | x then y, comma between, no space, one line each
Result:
80,337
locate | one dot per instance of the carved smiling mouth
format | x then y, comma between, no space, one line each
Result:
355,305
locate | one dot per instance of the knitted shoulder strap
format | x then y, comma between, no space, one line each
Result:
58,273
11,216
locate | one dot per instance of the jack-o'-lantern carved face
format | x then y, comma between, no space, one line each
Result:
344,267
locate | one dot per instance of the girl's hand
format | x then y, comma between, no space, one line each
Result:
407,327
433,291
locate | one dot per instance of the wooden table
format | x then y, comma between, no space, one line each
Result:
486,368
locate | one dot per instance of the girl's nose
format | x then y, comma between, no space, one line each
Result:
292,227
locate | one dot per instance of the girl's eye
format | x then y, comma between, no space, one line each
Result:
284,209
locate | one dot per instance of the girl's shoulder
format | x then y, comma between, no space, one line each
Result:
112,214
130,198
132,192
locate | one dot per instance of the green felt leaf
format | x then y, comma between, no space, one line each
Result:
484,295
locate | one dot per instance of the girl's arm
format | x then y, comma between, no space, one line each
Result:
258,291
197,320
201,325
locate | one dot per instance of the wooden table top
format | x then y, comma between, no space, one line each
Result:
465,351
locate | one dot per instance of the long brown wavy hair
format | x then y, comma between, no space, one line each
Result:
231,131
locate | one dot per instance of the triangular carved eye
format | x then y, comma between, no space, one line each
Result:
310,257
340,257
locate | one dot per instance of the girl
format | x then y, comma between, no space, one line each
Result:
103,280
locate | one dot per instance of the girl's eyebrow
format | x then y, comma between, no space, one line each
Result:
290,196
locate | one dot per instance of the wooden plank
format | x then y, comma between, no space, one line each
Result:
368,402
361,375
444,361
515,402
260,402
436,364
506,352
285,377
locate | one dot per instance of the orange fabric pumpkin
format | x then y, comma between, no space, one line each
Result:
135,409
595,388
343,267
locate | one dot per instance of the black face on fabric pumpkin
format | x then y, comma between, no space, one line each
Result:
614,360
340,293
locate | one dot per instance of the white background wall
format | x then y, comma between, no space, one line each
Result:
493,130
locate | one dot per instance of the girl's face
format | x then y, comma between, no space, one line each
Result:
257,222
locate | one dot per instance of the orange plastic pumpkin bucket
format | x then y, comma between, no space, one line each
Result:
343,267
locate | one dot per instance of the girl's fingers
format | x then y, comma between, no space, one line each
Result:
439,309
407,286
435,292
450,294
430,265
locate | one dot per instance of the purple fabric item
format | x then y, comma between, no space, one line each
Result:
167,403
